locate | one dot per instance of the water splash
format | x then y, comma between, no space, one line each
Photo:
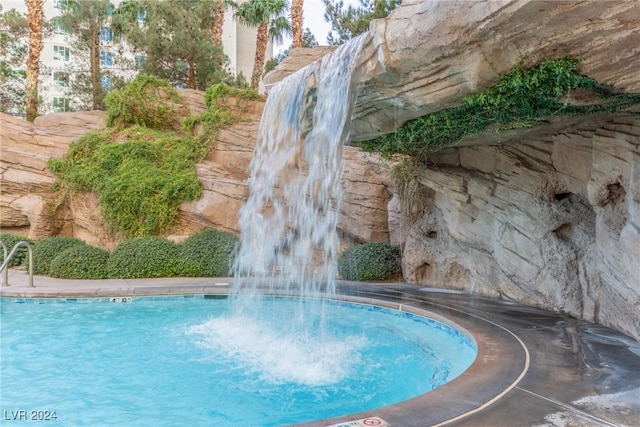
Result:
289,242
278,356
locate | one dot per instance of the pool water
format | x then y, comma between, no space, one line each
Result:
195,361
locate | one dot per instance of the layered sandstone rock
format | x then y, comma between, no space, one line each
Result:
25,195
546,216
551,219
428,55
27,200
297,58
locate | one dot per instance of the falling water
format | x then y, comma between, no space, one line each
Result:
289,241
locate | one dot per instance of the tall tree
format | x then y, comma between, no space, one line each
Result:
297,22
175,38
269,17
84,20
13,51
35,17
349,22
218,21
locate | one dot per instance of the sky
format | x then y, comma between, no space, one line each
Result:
313,17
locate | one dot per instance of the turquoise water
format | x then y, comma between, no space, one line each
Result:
193,361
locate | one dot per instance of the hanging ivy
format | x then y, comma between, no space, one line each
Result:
522,98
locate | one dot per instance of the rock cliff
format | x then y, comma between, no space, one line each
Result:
551,219
549,216
28,205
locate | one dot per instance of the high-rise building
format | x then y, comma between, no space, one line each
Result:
59,63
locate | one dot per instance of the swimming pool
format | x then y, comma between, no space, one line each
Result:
193,361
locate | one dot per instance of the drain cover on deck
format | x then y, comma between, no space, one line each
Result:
365,422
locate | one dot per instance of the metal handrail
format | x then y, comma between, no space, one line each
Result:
5,276
5,264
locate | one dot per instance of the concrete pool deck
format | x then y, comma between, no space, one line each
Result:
534,367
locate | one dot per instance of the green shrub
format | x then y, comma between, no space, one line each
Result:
208,253
522,98
47,249
217,91
80,262
10,241
370,261
144,257
147,101
141,182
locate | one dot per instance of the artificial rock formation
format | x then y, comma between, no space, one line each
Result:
29,207
550,219
25,148
548,216
428,55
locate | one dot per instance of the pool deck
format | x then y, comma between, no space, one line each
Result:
534,367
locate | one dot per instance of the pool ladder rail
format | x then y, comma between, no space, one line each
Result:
5,265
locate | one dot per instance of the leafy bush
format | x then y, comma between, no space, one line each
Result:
215,93
141,182
522,98
10,241
370,261
208,253
147,101
47,249
144,257
225,105
80,262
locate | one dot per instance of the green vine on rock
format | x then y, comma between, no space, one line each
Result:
225,105
141,167
147,101
521,99
140,182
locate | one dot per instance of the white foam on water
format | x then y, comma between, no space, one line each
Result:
279,356
288,230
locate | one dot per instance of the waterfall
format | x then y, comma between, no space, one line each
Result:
289,242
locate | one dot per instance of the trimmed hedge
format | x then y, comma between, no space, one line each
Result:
47,249
144,257
80,262
370,261
209,253
21,256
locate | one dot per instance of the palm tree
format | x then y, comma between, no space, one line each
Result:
218,16
296,22
268,16
35,17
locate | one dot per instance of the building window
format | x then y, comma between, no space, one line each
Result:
105,34
58,28
140,61
60,53
106,58
60,104
106,82
61,79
